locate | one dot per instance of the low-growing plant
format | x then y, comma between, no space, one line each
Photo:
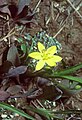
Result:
37,59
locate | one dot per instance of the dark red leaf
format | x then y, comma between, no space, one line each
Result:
4,68
13,10
23,13
26,21
19,13
29,17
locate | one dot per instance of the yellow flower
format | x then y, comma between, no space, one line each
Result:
45,56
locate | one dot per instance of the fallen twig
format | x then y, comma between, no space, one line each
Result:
74,8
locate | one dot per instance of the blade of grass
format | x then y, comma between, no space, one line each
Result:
44,112
69,77
69,70
13,109
76,79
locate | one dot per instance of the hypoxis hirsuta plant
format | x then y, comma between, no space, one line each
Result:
46,46
29,44
46,59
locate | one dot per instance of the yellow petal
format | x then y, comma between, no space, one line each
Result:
52,50
56,58
40,65
50,62
41,47
35,55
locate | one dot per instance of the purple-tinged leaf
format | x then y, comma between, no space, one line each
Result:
13,56
22,4
22,14
13,10
4,7
16,71
4,95
14,89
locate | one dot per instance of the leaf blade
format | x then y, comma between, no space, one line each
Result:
13,109
72,78
69,70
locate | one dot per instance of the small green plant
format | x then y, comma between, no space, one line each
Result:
40,58
42,48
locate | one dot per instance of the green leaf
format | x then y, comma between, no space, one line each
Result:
20,40
24,48
69,70
42,111
76,79
13,109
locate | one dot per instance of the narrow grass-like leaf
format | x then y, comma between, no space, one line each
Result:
69,70
41,111
76,79
13,109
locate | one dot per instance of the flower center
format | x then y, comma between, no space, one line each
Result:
45,55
